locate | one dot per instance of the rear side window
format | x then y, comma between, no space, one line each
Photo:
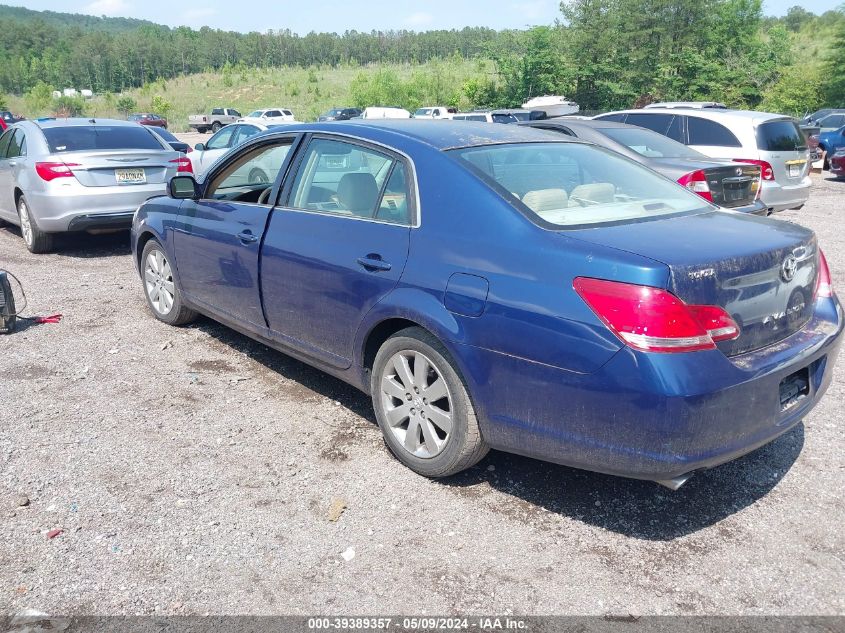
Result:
94,137
780,136
706,132
17,146
658,122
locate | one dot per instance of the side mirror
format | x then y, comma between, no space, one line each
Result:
199,147
183,188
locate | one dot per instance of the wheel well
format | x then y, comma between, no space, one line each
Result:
142,242
380,333
18,194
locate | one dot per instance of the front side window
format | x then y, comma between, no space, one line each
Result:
574,184
346,179
16,145
249,176
706,132
4,141
255,115
223,138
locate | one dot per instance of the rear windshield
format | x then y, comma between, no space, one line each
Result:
167,136
573,184
649,144
780,136
92,137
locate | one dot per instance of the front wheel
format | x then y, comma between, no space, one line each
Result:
160,288
422,406
36,240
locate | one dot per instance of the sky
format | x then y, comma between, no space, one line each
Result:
360,15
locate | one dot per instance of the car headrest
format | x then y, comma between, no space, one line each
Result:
546,199
358,193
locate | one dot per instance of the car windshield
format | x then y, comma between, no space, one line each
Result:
575,185
649,144
256,114
93,137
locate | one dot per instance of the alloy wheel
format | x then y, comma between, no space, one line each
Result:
158,281
417,403
26,225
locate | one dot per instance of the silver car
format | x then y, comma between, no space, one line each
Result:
80,175
772,141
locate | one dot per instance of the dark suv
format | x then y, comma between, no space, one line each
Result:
340,114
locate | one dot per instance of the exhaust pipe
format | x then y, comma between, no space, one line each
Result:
675,482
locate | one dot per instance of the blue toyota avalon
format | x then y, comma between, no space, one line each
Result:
492,286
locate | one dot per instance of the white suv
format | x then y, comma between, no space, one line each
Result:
773,141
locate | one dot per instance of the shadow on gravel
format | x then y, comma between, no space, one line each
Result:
641,509
83,245
86,246
288,367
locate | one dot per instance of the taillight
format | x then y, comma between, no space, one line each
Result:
824,287
697,181
654,320
51,171
767,173
184,165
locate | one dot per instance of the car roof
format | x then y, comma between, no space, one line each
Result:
706,113
590,123
80,122
439,135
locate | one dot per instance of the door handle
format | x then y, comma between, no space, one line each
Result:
247,237
374,262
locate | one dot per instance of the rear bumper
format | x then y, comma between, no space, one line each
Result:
101,221
758,207
653,416
779,197
81,208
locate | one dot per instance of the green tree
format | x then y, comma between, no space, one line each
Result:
160,106
833,87
796,92
69,107
125,105
39,97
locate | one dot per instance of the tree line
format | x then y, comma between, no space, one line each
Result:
605,54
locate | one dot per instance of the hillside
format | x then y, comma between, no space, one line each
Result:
306,91
70,20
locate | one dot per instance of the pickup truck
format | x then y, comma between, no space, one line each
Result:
219,117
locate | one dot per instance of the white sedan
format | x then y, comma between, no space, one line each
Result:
269,116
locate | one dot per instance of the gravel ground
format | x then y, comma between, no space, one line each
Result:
192,471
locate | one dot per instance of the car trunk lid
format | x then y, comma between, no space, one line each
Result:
730,184
762,272
124,167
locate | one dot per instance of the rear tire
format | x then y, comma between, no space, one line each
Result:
36,240
161,288
422,406
215,127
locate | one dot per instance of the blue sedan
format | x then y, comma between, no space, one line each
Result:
502,287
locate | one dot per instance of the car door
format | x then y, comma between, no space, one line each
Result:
7,179
217,145
336,245
218,237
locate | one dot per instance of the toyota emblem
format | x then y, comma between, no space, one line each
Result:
788,268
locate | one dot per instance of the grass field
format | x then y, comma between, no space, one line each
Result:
306,91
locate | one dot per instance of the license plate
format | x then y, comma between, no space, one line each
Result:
794,168
130,176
